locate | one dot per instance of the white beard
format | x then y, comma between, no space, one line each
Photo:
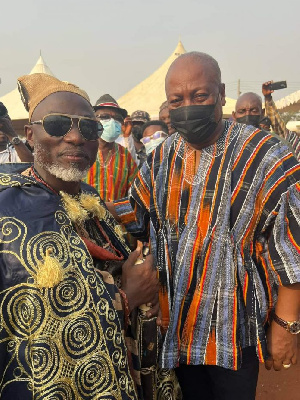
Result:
71,174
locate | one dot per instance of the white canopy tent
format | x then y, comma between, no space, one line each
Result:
12,100
150,94
290,103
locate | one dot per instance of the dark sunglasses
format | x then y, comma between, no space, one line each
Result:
59,125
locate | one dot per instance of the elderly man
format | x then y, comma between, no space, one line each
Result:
221,201
248,109
114,169
61,314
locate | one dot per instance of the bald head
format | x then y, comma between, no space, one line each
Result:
249,98
202,60
248,109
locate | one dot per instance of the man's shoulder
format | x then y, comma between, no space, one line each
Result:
12,180
250,134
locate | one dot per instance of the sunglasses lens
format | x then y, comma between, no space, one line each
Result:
90,130
57,125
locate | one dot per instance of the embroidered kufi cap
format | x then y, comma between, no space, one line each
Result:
35,88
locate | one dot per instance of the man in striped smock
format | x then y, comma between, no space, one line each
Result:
220,201
114,169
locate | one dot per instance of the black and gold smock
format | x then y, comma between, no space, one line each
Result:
59,339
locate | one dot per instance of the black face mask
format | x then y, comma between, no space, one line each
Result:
195,123
136,132
249,120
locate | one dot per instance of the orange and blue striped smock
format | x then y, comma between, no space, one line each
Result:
224,236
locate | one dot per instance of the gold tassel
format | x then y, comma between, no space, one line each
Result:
92,204
76,213
50,272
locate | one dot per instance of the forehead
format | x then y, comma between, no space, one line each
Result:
164,112
248,101
189,73
64,103
150,130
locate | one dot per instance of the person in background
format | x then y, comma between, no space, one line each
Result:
248,109
220,202
12,149
265,124
165,116
114,169
137,120
277,122
154,133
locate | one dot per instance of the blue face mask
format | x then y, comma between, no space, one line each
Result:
111,130
150,146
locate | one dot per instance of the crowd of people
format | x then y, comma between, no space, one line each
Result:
147,259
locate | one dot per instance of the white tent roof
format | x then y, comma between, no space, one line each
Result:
12,100
150,94
290,102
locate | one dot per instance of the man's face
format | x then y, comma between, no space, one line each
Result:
247,105
136,130
68,157
150,130
165,117
106,113
192,83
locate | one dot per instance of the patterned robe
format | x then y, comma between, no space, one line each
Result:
224,237
64,341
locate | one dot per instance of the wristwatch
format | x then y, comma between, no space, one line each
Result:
15,140
292,327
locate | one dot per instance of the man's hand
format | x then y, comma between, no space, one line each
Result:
282,347
139,281
127,126
266,90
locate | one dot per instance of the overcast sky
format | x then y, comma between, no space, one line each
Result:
110,46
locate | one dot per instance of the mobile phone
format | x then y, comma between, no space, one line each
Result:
278,85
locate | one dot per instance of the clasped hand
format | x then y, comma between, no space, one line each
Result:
140,282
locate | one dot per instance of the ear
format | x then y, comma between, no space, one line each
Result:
233,115
28,132
223,94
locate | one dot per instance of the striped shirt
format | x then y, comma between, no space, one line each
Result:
112,178
224,237
279,128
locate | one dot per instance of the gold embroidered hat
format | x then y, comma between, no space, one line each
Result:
35,88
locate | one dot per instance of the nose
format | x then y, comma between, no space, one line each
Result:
74,135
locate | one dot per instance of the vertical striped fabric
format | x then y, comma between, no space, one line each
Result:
113,178
224,238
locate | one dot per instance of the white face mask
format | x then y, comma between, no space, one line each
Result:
111,130
153,143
